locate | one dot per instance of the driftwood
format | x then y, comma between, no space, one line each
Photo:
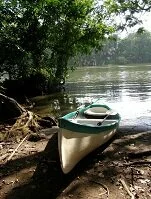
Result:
24,121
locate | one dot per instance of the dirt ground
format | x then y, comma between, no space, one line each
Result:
119,169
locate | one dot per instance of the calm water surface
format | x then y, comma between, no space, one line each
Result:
124,88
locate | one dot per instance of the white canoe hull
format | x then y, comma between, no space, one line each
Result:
73,146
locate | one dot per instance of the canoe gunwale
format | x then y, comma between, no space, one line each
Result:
83,128
66,123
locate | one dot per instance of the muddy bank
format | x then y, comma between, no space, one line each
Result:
35,172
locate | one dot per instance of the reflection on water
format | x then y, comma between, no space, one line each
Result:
125,88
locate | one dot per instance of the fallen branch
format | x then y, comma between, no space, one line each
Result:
101,194
126,188
139,154
12,154
137,163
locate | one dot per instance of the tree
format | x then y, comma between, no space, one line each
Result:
42,36
136,48
74,27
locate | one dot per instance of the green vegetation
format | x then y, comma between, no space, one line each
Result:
134,49
38,38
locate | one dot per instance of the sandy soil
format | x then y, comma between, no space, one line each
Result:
119,169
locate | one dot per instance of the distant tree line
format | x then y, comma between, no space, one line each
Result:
133,49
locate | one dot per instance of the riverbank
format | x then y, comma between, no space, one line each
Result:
123,163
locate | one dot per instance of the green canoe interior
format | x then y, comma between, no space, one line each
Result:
78,122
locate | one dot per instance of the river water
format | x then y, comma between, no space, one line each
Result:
127,89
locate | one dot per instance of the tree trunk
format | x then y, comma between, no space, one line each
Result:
9,108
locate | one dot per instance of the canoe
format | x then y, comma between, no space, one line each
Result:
83,131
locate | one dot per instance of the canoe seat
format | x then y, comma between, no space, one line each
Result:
97,111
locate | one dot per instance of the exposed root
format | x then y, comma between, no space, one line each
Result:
17,121
139,154
140,162
22,125
104,186
27,123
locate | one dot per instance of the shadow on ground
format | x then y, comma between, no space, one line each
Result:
49,181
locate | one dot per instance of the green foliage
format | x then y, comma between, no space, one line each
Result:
41,36
136,48
31,29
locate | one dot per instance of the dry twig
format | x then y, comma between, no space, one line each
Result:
12,154
127,189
